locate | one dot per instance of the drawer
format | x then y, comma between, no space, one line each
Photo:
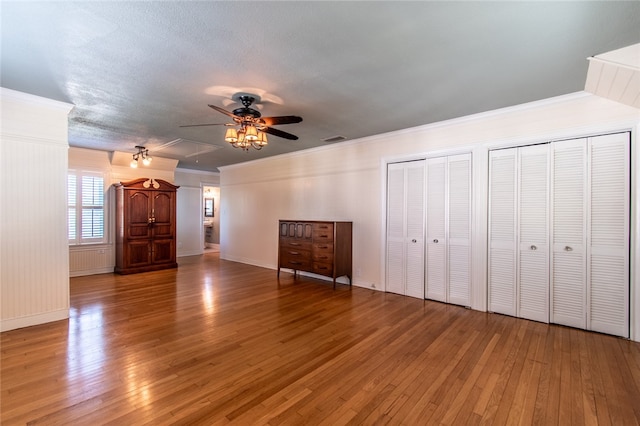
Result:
295,258
323,268
295,263
323,255
322,232
294,244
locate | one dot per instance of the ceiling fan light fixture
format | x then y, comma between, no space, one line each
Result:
134,164
231,136
262,139
249,129
251,133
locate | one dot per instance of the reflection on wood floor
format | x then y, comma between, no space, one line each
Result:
217,342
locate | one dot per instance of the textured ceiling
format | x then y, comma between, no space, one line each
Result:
136,71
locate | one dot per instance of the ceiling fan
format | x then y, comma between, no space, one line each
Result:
252,126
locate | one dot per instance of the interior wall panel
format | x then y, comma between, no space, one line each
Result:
34,256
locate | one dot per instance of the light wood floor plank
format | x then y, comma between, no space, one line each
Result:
217,342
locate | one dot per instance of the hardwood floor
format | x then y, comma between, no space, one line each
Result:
217,342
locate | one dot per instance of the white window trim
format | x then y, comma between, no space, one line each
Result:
79,241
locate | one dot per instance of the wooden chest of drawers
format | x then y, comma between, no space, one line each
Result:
322,248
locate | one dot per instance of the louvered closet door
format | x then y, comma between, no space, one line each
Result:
533,225
415,230
459,229
568,261
608,252
436,265
396,228
502,231
405,228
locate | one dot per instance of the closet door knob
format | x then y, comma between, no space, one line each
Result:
435,241
567,248
534,248
414,241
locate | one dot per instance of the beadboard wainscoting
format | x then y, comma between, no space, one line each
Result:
91,260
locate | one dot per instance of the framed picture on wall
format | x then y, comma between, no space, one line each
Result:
208,207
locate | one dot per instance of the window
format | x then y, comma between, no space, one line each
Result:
85,192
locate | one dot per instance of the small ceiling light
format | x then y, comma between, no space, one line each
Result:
142,154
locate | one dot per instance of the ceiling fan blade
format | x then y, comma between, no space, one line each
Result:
214,124
284,119
224,111
280,133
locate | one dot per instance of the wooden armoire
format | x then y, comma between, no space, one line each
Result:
145,226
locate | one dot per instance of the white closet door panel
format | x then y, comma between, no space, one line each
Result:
568,291
415,230
608,285
395,228
533,294
459,185
609,295
459,229
502,196
459,276
436,198
533,223
436,272
534,195
502,231
395,201
395,267
568,264
415,200
436,265
415,270
502,295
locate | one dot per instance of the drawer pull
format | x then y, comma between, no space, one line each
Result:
295,253
293,262
323,236
323,247
294,244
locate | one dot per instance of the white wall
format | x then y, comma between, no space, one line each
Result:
34,260
347,181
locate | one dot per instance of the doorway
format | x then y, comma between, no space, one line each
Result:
211,218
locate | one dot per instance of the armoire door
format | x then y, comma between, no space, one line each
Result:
449,229
405,228
138,251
